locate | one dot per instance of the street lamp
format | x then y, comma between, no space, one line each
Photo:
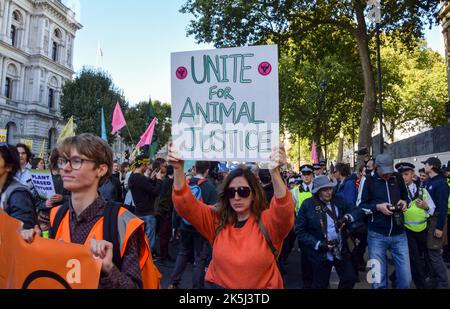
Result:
375,16
324,85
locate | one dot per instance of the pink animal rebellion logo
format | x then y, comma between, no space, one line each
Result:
182,73
265,68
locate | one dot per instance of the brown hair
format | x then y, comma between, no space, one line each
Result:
226,213
92,147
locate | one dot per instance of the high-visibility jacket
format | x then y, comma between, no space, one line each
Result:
300,196
416,217
127,225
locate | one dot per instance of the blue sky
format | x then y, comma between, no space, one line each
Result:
137,37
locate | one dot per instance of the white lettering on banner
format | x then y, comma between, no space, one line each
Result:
74,274
374,274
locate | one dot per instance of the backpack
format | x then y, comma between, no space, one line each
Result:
150,275
197,192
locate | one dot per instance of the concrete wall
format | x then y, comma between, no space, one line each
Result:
434,142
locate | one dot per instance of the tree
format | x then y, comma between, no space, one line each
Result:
415,87
138,121
237,22
84,97
302,71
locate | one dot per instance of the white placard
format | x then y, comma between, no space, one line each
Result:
43,183
225,103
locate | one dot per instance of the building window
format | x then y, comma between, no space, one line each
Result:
51,98
8,88
13,35
55,51
51,139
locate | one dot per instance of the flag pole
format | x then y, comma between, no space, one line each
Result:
129,133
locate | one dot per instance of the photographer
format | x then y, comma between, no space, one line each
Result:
321,229
385,198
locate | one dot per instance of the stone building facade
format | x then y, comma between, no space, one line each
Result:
36,59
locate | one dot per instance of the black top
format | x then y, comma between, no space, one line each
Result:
144,192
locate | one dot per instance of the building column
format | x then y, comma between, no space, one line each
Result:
3,75
6,16
26,34
2,59
21,94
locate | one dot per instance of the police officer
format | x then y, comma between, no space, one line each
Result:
303,190
415,221
323,166
317,170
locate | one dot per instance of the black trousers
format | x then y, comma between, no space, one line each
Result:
417,244
306,269
288,245
321,271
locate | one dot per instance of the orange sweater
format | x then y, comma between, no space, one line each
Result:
241,258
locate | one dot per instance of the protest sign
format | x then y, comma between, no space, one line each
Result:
44,264
43,183
3,135
225,103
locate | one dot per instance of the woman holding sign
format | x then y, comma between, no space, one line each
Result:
15,199
245,235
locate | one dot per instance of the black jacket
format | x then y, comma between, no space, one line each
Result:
144,192
309,230
378,191
20,206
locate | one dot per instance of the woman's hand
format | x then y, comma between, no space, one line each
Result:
278,158
174,159
103,250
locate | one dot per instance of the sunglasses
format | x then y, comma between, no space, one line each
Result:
243,192
306,173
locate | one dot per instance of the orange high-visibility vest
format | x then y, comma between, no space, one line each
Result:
127,225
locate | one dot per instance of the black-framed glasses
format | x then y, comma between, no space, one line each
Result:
75,163
243,192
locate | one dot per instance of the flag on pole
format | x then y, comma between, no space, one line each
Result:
41,154
118,120
67,131
154,144
314,157
103,127
146,138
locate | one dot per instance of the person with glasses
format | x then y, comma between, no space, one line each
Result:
245,235
85,162
16,199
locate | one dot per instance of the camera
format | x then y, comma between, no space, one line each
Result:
398,213
336,248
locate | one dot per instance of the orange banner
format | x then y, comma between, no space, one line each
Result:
44,264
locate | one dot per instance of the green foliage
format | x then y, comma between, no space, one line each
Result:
302,24
415,87
138,121
332,59
84,98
